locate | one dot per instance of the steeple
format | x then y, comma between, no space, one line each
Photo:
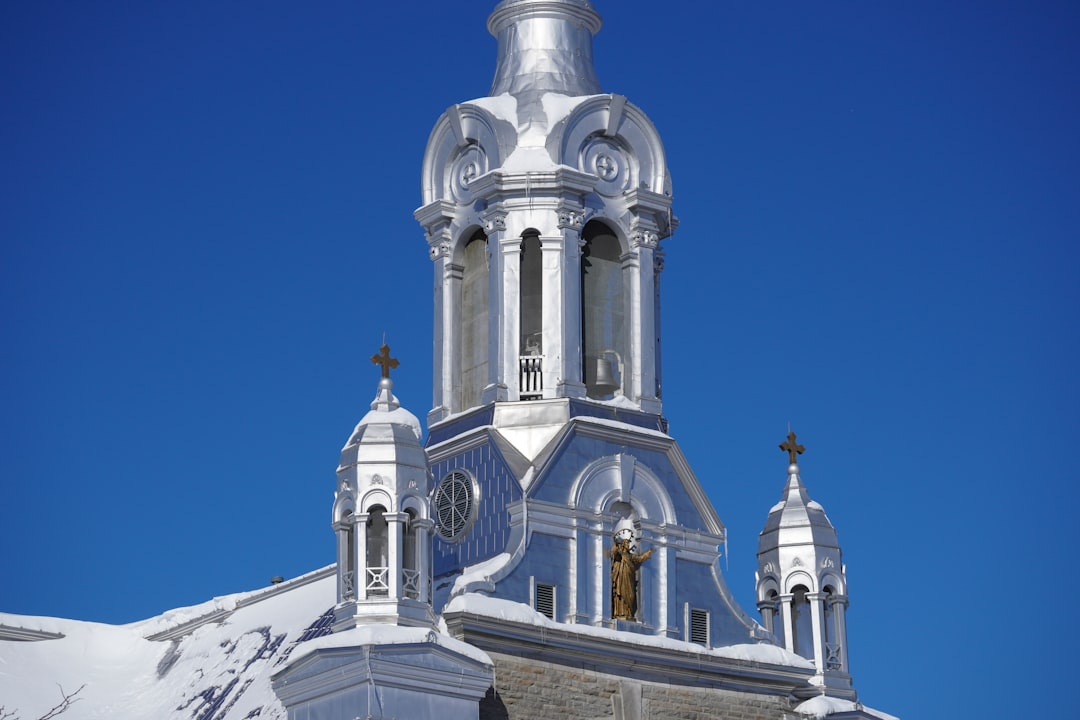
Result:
381,516
544,206
802,583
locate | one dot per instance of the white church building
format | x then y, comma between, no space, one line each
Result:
548,551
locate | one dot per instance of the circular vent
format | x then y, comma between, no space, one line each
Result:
454,504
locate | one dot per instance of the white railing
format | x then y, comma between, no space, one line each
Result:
410,583
832,657
531,377
378,581
348,590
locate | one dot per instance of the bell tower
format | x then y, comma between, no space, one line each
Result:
544,206
802,581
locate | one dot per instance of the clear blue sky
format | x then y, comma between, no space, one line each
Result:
206,226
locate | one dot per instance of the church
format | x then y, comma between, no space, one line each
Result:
547,549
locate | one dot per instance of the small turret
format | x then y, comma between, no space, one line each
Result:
382,516
801,581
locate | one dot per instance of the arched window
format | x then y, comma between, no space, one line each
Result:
531,295
531,316
603,326
377,552
802,622
473,339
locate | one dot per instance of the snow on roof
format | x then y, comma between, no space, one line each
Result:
822,706
384,634
510,611
480,573
220,669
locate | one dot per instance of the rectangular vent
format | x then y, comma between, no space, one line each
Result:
699,626
545,600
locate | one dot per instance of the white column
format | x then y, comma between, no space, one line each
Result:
601,581
767,608
552,310
785,618
423,561
446,322
571,379
395,522
839,609
509,337
495,389
342,532
817,623
360,525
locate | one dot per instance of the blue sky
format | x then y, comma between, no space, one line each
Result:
206,228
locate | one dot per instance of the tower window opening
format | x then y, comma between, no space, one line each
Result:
377,553
473,348
802,623
603,326
531,317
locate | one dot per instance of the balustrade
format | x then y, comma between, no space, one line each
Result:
531,377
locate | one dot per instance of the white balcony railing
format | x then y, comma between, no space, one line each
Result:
531,377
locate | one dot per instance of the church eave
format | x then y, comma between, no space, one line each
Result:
614,655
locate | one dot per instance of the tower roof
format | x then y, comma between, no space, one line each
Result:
388,433
796,519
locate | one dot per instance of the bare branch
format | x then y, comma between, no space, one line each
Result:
64,704
6,714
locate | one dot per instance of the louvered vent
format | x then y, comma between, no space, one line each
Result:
545,600
699,626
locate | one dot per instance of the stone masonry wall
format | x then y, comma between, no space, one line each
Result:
527,689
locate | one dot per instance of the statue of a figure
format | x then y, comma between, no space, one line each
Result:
624,567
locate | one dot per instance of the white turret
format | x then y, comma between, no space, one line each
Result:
801,582
382,518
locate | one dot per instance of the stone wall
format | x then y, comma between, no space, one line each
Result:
528,689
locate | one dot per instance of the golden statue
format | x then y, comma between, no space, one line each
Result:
624,567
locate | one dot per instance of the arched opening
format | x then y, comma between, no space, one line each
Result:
473,338
377,553
802,623
530,299
603,322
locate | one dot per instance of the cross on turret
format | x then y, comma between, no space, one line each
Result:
383,359
792,448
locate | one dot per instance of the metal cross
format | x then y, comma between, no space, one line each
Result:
383,358
792,448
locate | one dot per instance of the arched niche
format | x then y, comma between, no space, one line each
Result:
613,139
620,478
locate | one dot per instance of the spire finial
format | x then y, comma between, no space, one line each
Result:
792,448
383,359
